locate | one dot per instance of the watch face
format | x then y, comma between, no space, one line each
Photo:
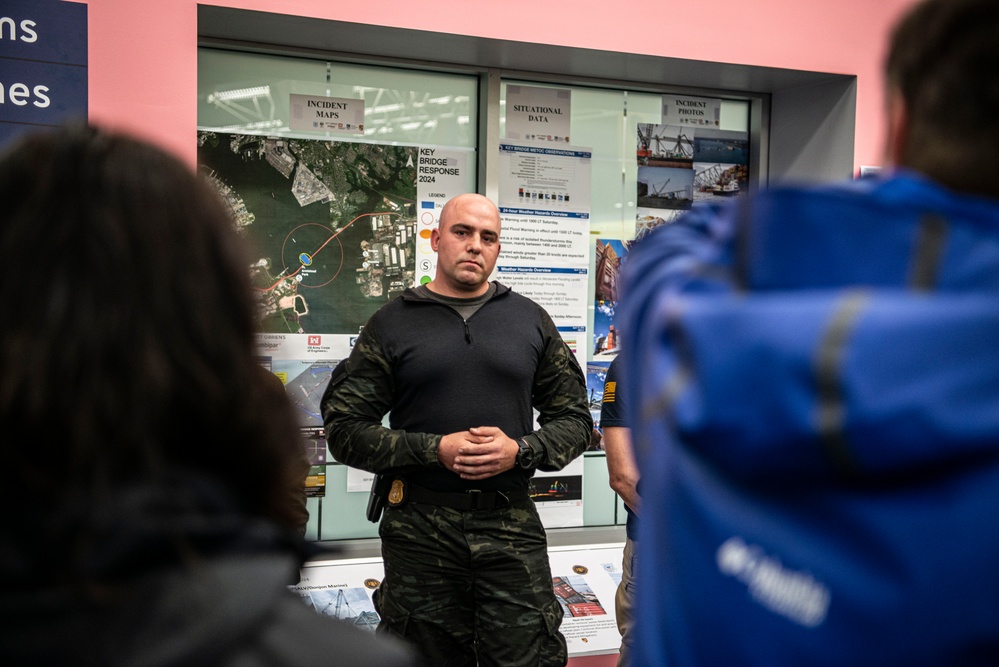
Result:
525,457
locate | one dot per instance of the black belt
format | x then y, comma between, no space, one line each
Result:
466,500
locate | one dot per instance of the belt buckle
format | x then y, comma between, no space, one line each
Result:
474,496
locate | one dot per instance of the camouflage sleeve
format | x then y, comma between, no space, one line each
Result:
354,404
559,395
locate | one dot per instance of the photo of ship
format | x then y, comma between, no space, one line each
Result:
665,146
665,187
721,146
647,219
719,180
576,598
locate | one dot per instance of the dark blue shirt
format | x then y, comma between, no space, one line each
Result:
612,413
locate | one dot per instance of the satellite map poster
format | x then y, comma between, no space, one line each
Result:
331,225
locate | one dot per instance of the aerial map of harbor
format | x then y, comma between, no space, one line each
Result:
331,224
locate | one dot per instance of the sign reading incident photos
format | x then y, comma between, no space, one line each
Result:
691,111
687,158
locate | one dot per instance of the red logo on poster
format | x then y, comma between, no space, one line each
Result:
315,340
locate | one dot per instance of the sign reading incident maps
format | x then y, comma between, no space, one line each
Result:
327,114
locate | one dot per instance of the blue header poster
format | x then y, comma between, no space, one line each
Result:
43,65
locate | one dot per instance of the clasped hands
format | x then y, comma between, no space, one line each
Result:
478,453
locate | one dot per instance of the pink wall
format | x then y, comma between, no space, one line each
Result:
143,63
143,60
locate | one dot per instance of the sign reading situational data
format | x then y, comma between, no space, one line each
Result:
327,114
538,114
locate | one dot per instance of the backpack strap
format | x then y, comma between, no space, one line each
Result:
931,238
661,403
740,246
830,417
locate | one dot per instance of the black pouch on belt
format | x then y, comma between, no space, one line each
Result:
376,500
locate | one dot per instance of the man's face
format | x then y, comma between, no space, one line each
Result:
467,245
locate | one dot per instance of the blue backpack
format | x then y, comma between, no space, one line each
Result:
815,383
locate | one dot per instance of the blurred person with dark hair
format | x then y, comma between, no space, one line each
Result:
148,516
815,384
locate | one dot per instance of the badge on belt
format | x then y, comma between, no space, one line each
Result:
397,492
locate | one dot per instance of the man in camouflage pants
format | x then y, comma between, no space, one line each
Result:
459,364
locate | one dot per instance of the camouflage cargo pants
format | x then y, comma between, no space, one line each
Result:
470,587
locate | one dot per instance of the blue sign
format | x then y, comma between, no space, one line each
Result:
43,65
